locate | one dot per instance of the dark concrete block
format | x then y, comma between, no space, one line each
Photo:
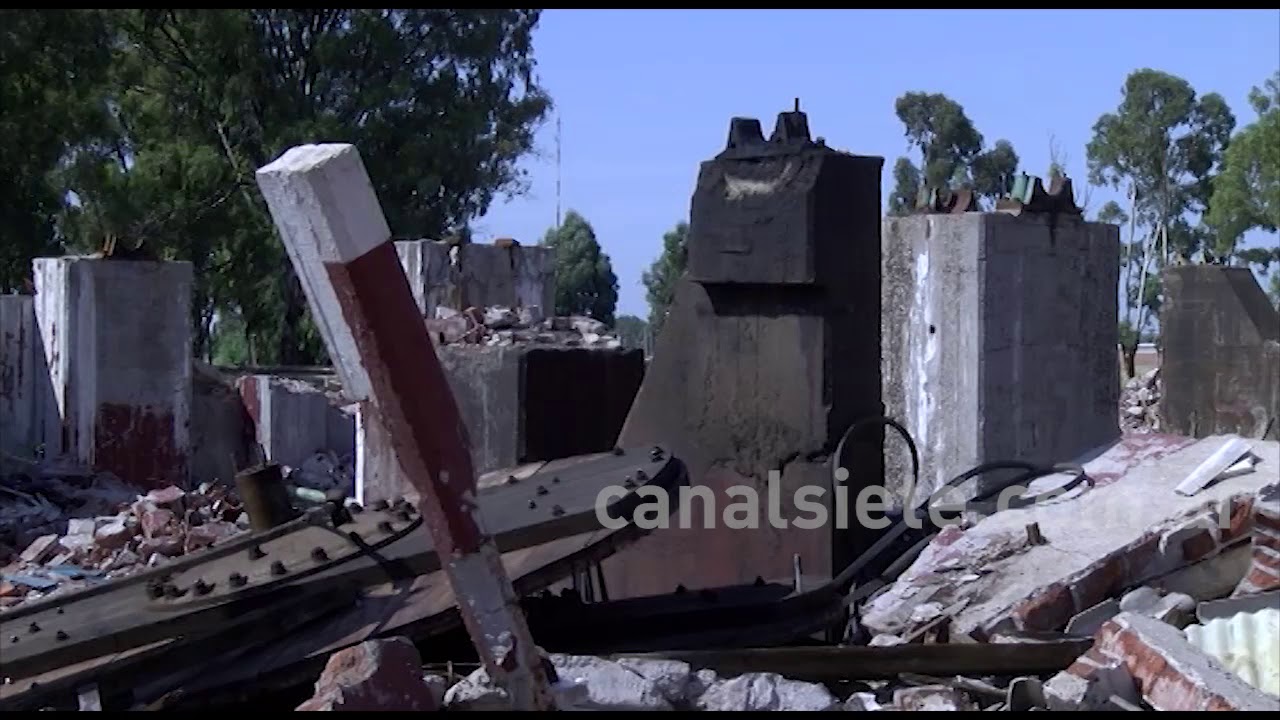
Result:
1221,355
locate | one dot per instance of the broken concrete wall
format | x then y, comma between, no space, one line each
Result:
294,419
520,404
28,411
462,276
221,429
999,336
117,340
1221,347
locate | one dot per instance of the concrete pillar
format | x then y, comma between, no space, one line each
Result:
1221,347
999,337
117,340
28,413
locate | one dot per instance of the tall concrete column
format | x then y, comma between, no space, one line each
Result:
117,342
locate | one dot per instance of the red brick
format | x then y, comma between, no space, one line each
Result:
1199,546
157,522
375,675
1258,581
1140,557
1104,579
1241,520
1050,610
1263,536
1172,673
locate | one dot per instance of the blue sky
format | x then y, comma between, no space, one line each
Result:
645,95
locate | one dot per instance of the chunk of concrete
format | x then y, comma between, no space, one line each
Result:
608,685
1173,608
1090,621
932,698
1089,684
766,691
374,675
1170,672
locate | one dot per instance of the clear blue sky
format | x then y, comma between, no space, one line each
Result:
645,95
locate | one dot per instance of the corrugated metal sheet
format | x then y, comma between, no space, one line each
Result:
1246,643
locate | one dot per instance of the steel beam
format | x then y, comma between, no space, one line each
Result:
329,218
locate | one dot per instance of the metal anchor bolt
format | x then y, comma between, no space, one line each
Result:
381,505
277,568
202,587
532,504
33,628
556,510
385,526
238,580
406,516
555,480
62,635
60,611
256,553
629,483
542,490
655,454
641,477
619,451
319,555
13,639
355,508
511,480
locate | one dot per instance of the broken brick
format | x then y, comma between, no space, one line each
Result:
115,534
1099,582
1199,546
156,522
1049,610
1171,673
169,498
81,526
8,589
209,533
1241,520
373,676
41,549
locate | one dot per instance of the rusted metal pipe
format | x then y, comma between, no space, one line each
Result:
265,497
326,210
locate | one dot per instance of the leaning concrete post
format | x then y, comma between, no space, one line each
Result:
328,216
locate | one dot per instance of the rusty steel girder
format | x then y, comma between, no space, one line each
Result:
296,566
1029,196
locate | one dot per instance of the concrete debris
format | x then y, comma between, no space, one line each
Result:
1140,402
766,691
1174,608
374,675
504,326
112,532
609,685
1264,567
931,698
1128,530
1168,671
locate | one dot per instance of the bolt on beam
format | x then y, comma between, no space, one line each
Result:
330,220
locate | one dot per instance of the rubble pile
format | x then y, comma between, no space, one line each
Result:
1140,402
504,326
76,529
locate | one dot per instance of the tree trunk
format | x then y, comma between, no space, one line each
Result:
1130,351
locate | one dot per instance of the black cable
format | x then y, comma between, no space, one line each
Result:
980,503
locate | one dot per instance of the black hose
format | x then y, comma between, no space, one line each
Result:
980,503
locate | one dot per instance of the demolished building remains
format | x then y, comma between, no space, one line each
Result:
437,523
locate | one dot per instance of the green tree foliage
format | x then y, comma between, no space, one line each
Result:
1246,194
951,154
1164,144
441,104
585,283
52,66
661,277
632,331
